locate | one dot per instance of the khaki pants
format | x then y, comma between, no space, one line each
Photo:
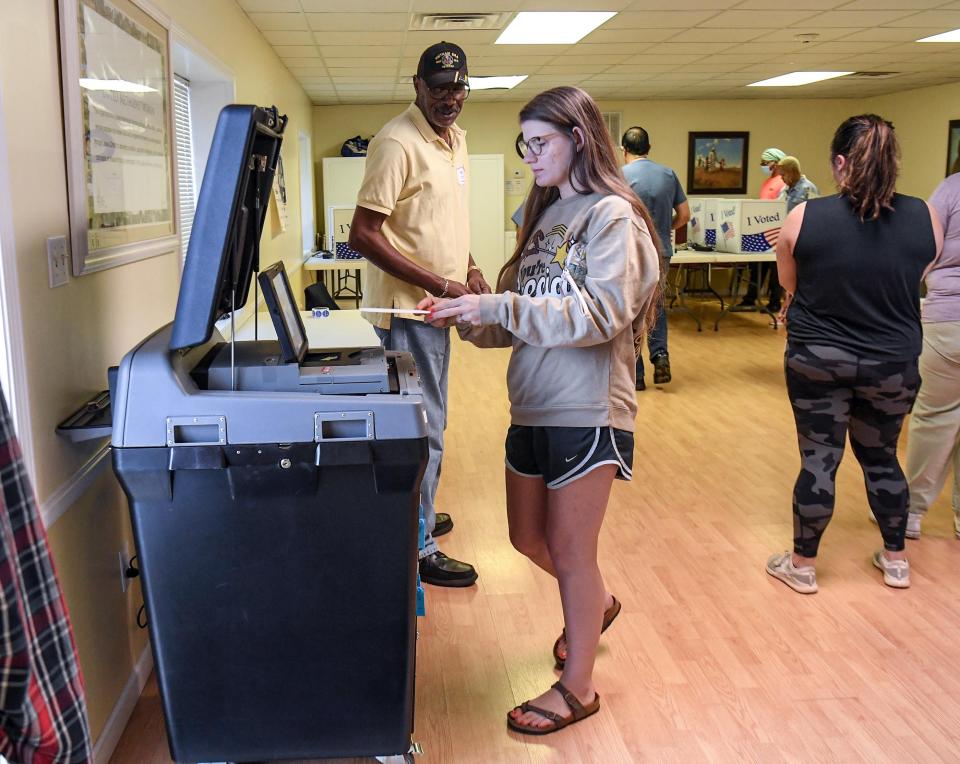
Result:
933,448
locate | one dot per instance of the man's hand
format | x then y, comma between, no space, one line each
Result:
476,283
456,289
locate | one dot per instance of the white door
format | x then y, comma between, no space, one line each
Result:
486,213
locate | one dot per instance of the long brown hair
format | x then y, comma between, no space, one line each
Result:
593,169
872,154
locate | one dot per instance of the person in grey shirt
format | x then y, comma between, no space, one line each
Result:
659,189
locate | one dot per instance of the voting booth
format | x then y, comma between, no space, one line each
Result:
273,490
749,225
702,228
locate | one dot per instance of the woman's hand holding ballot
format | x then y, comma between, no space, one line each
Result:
464,309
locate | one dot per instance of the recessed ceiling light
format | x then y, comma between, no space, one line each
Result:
495,83
552,28
953,36
796,78
120,86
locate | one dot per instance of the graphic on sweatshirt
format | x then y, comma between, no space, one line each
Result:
545,258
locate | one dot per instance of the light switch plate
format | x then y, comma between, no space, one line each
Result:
58,256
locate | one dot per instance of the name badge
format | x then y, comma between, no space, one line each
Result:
461,175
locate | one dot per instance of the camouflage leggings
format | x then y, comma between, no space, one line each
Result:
832,392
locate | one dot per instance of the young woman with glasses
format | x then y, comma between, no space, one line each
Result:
579,289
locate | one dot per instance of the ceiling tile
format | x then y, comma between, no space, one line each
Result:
681,5
466,39
843,46
759,18
353,74
824,34
800,5
357,22
570,5
883,5
606,36
308,71
890,34
279,6
288,38
658,19
708,34
613,48
689,48
373,53
297,51
858,19
578,68
279,21
946,19
355,6
573,58
353,39
460,6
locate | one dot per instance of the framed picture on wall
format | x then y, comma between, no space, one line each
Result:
717,162
953,147
118,133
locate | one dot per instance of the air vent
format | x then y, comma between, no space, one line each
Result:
455,22
871,75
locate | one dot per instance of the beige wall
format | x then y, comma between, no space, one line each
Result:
73,333
799,127
921,118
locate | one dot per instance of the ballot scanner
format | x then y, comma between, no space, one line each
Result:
273,491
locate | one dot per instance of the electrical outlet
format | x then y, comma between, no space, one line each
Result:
124,556
58,254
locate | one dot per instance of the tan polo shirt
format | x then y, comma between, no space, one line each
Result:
422,185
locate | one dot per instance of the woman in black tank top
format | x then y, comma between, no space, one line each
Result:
852,264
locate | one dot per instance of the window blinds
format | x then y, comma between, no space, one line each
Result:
186,195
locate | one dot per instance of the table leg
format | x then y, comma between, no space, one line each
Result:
679,287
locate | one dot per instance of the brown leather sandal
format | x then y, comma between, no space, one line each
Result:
609,616
578,712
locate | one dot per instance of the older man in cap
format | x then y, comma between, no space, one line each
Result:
412,223
771,188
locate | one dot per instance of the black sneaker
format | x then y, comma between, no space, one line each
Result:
661,369
440,570
641,383
443,525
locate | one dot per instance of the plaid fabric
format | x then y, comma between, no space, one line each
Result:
43,712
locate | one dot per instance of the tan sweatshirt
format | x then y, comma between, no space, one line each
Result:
577,297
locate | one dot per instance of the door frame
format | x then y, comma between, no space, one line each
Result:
15,369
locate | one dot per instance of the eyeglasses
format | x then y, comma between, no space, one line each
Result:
459,91
535,145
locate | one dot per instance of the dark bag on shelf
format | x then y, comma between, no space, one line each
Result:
354,147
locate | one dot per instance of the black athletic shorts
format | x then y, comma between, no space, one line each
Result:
560,455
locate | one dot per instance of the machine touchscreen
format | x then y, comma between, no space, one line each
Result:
283,311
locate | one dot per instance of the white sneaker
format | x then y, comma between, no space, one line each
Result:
913,525
803,580
896,573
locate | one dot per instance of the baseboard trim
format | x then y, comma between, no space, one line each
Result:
113,730
70,492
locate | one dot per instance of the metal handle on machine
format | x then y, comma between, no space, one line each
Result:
196,431
343,425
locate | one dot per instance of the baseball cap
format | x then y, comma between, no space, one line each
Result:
772,155
442,63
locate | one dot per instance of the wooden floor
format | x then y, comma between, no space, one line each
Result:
711,659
